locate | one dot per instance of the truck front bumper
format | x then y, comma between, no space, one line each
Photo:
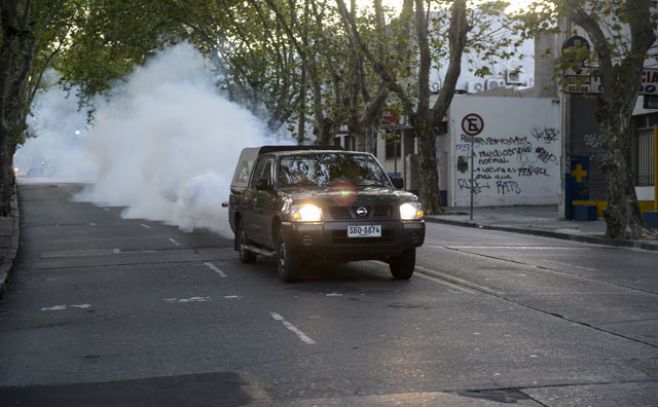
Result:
329,241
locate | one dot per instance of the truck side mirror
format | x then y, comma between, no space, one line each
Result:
263,185
398,182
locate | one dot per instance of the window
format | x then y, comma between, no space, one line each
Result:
349,143
643,156
393,149
326,169
242,174
263,170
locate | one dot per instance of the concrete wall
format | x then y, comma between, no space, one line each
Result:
517,154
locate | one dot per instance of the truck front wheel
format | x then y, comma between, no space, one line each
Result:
402,266
288,261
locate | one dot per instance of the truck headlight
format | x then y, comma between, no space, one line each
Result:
306,213
411,211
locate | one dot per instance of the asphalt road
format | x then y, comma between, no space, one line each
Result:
105,311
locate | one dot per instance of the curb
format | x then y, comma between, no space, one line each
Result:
8,261
549,233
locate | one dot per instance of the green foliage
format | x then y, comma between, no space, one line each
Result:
108,38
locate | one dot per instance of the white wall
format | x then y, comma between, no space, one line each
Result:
517,155
644,193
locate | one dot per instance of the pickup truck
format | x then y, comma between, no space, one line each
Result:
308,204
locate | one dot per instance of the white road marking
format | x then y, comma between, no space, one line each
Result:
92,224
65,307
511,247
174,242
215,269
116,251
191,299
106,210
334,295
232,297
302,336
54,308
144,226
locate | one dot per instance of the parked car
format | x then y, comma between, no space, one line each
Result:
304,204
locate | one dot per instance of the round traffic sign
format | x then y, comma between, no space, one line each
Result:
472,124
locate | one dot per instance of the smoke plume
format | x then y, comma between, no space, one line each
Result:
165,144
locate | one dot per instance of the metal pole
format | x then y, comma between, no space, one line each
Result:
655,167
472,186
395,156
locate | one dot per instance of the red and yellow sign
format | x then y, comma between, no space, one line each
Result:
588,80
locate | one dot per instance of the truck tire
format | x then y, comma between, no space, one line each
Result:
288,261
402,266
246,256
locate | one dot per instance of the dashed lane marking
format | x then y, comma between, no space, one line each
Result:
187,300
215,269
65,307
144,226
175,243
510,247
116,251
301,335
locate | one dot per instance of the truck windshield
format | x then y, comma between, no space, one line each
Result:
330,168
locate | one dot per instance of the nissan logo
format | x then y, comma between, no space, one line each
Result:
361,211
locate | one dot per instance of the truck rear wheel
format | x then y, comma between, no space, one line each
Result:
402,266
288,261
246,256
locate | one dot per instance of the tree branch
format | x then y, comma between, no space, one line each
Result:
458,31
378,66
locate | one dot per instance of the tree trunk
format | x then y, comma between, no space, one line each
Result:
620,80
16,53
429,181
622,216
301,125
371,134
6,174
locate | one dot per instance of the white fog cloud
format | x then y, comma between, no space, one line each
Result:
165,144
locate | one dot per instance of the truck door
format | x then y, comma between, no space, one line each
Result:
255,200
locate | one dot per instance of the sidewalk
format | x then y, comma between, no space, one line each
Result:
536,220
9,237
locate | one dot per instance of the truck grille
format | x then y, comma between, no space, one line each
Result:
340,212
349,212
340,237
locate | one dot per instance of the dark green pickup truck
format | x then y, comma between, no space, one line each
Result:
306,204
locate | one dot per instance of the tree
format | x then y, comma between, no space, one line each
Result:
31,35
622,32
342,91
453,20
91,43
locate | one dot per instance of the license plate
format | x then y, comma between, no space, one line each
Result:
364,231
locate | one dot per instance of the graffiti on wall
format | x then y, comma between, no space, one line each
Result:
503,165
